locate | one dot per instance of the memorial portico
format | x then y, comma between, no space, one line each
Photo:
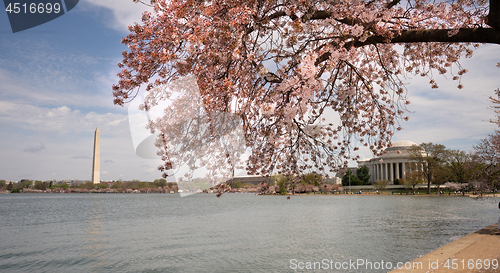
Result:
393,164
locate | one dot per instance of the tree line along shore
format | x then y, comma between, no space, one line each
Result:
30,186
278,184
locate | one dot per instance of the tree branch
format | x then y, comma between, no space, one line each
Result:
493,18
393,3
465,35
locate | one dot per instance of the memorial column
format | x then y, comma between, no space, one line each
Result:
391,172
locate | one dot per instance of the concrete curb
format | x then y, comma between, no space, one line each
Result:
476,252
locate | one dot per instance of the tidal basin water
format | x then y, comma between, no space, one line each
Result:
234,233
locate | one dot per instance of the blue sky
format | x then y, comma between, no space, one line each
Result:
55,86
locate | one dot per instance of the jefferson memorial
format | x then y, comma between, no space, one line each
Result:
393,164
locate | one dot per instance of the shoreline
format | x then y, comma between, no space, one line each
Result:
283,195
476,252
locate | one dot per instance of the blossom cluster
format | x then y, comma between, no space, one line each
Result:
283,66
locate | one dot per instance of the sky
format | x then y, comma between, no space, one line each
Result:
55,89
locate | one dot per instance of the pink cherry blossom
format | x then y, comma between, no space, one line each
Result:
281,66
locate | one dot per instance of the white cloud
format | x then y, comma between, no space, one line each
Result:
60,120
66,138
42,71
457,118
451,116
47,63
35,148
125,12
18,89
80,157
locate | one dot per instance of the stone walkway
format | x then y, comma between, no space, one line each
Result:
476,252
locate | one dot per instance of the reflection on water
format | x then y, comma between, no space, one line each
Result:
94,243
234,233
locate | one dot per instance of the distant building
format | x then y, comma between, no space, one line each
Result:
343,172
393,164
248,179
75,183
333,180
256,180
26,182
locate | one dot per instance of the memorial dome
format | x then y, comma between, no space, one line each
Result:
402,144
398,149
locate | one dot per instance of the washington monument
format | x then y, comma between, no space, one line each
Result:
96,169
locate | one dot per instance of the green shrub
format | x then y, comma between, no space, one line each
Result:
17,190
